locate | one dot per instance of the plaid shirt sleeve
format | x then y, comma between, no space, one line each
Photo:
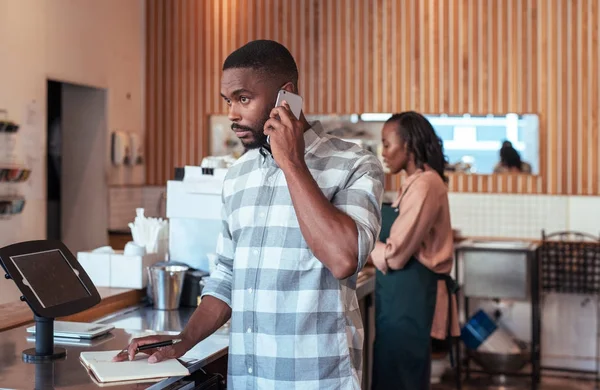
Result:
361,199
220,281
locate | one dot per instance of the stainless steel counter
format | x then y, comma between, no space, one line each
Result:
60,374
145,317
68,372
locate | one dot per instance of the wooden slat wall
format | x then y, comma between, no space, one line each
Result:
451,56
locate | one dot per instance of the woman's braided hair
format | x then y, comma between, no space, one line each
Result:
421,140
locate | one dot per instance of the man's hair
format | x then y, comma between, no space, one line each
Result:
269,57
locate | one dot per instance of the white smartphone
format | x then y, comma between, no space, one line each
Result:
294,101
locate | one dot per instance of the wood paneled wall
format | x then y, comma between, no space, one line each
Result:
452,56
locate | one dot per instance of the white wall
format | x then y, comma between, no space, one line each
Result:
99,43
90,42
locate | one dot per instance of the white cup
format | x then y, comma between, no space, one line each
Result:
133,249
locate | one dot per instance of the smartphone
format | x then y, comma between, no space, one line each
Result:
294,101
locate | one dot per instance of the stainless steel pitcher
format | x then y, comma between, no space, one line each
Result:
166,282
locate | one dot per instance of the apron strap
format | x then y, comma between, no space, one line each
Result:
453,288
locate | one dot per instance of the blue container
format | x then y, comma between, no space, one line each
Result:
479,327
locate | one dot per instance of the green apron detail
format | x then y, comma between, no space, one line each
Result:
405,303
404,308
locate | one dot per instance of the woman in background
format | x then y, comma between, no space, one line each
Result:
414,292
510,160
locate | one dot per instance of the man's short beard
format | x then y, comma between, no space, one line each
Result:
260,139
258,135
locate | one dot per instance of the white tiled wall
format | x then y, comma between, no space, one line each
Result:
584,214
124,200
523,216
122,203
481,215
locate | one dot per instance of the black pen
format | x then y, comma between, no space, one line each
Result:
157,345
153,345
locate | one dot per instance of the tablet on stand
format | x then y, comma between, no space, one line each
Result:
53,284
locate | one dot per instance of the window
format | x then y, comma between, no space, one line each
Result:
478,139
472,143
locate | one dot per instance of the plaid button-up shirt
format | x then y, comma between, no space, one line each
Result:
293,324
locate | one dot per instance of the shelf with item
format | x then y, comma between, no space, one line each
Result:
14,173
11,171
7,126
11,205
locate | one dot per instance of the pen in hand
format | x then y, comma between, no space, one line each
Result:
157,345
149,346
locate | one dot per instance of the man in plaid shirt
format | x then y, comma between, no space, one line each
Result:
301,214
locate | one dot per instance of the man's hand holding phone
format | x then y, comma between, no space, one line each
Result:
286,137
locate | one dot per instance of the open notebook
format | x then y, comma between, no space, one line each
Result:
104,370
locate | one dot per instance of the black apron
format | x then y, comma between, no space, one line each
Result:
405,303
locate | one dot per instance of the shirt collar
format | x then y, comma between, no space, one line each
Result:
312,136
407,182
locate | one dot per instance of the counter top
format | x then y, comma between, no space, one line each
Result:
18,313
170,322
136,321
59,374
70,373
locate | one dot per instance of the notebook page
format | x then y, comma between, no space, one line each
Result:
101,364
207,347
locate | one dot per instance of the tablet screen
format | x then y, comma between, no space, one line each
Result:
50,277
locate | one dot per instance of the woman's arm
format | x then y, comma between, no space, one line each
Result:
419,209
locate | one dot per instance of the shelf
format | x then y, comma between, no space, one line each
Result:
14,174
8,127
11,205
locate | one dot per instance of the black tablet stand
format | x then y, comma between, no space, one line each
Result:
44,376
45,251
44,342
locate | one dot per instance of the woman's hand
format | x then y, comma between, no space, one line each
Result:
378,257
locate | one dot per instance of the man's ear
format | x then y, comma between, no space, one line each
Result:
289,86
